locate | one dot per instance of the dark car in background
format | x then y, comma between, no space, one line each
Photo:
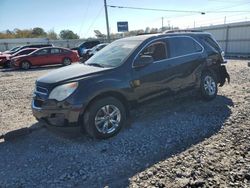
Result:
97,95
85,46
5,59
46,56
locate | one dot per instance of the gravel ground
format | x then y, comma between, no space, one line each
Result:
176,141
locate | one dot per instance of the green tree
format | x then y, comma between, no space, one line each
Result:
38,32
68,34
52,35
25,33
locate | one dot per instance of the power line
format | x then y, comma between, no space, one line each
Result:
186,15
153,9
85,15
174,10
224,1
93,22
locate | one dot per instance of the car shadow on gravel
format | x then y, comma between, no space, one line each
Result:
157,130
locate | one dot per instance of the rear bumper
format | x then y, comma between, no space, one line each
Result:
57,116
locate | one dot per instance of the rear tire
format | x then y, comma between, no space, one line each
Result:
25,65
208,86
104,118
66,61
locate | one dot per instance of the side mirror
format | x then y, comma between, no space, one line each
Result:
143,61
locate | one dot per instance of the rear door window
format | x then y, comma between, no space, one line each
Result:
180,46
25,52
42,52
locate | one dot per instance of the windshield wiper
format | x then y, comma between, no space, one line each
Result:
95,65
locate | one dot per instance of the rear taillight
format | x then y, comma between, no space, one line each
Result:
223,57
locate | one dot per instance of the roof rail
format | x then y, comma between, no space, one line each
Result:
182,30
146,33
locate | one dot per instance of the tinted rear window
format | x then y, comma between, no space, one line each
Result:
180,46
25,52
39,45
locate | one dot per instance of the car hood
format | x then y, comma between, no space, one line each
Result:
5,55
74,71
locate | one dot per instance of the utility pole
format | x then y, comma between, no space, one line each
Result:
162,24
107,20
225,20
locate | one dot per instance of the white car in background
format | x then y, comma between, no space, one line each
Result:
96,48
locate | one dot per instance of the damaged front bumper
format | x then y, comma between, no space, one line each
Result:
223,75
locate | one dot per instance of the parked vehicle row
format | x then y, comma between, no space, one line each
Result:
18,48
37,55
98,94
45,56
5,58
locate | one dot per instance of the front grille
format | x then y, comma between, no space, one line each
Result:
41,90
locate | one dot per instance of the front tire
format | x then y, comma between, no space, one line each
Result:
25,65
104,118
8,64
208,86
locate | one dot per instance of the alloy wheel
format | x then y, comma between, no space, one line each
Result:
25,65
209,85
107,119
66,61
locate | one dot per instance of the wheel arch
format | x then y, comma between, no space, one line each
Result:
24,60
211,70
67,57
115,94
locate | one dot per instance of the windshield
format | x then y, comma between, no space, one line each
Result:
15,48
114,54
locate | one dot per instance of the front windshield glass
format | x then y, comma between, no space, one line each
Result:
14,49
114,54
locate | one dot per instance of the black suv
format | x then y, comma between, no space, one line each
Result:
97,95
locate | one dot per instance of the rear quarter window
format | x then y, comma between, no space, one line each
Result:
65,51
179,46
211,44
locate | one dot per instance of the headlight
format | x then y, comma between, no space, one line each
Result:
15,59
63,91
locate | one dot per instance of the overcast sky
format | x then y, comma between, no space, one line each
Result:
85,16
